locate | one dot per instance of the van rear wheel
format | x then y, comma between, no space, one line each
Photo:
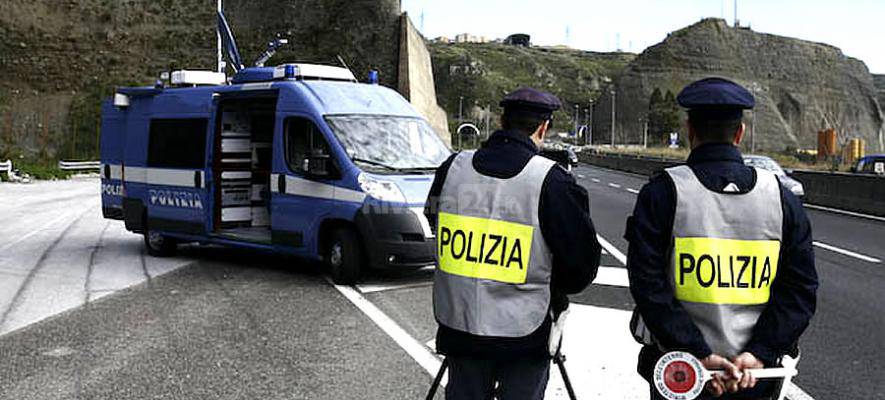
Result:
344,256
159,245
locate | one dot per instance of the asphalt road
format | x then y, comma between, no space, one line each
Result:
85,314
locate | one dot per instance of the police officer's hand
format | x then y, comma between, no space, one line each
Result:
718,385
743,362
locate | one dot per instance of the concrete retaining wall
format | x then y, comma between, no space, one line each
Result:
416,78
852,192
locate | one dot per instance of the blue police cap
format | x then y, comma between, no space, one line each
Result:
530,100
716,97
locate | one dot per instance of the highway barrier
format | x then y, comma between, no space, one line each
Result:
852,192
635,164
79,165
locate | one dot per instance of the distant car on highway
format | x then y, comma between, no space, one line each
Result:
565,157
872,164
768,164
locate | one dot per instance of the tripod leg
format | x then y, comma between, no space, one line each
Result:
560,362
438,379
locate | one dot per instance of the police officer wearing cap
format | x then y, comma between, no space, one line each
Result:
720,258
514,237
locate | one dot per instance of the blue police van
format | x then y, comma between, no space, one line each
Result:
299,159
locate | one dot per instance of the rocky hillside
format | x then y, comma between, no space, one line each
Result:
483,73
801,86
879,81
60,57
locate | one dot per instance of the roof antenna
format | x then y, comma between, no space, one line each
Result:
272,48
344,64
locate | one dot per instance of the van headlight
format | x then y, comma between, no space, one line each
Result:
381,189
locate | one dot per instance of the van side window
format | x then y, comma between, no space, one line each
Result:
177,143
303,139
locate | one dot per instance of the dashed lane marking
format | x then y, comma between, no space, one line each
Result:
595,180
631,190
848,253
615,185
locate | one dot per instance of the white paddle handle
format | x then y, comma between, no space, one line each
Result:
766,373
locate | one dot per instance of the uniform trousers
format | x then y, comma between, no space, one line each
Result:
478,379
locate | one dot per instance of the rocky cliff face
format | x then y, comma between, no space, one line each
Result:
800,86
879,81
60,57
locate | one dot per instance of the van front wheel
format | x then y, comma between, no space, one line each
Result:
343,256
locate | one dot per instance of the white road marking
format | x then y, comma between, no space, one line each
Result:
374,288
594,180
615,185
612,276
599,369
631,190
850,213
796,393
848,253
415,349
611,249
580,176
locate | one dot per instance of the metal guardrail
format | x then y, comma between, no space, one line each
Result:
6,166
79,165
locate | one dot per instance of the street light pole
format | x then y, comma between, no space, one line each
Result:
460,118
590,122
577,115
753,123
613,116
644,133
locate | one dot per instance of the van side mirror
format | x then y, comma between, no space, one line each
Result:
788,171
319,166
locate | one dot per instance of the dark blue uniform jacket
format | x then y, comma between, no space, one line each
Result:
650,234
564,214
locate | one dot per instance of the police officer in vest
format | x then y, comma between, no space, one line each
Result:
720,258
514,237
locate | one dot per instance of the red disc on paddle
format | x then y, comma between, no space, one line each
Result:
680,377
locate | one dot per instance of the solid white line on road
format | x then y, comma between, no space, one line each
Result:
615,185
849,213
594,180
373,288
848,253
796,393
631,190
412,347
611,249
612,276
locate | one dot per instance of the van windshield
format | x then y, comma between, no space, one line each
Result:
389,143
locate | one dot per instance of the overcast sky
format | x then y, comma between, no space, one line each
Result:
855,26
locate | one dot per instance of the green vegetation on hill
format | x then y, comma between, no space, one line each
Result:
484,73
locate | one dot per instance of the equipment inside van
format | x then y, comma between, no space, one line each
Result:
299,159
